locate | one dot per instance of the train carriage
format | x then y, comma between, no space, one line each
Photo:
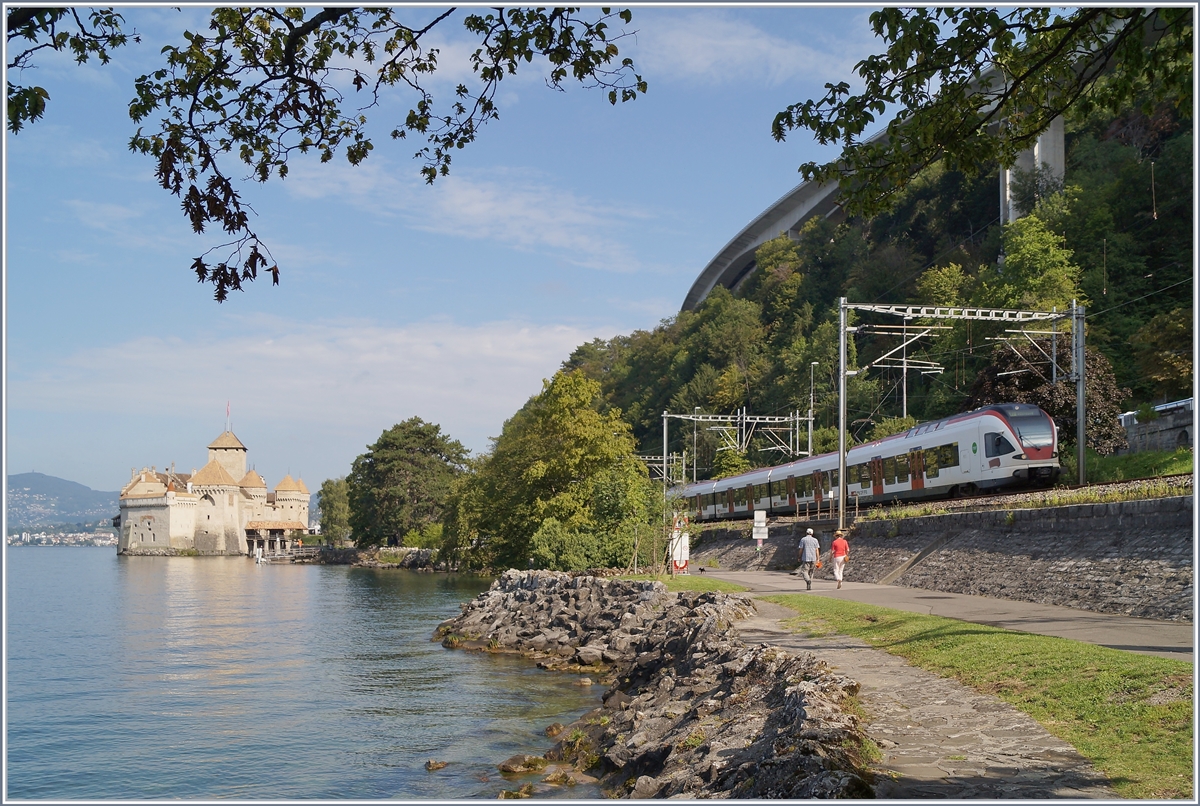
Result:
1005,445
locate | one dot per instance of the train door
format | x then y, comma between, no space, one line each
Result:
791,491
818,485
975,464
751,503
729,500
916,464
877,476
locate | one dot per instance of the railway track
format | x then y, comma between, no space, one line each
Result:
1062,495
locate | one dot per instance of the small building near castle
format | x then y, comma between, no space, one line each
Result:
222,508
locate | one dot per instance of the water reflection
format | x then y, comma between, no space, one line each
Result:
148,677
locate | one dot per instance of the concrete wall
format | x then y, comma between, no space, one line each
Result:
1132,558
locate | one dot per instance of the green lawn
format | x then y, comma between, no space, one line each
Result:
1146,464
695,582
1130,714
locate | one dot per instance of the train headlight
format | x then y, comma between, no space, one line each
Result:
1020,456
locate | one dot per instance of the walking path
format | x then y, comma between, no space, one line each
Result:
939,738
1164,638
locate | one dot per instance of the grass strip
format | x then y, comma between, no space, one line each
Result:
1131,715
691,583
1122,467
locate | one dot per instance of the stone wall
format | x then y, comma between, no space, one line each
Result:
1132,558
1165,433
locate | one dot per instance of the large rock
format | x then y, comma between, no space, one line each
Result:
691,711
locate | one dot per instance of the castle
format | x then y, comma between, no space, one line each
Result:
219,509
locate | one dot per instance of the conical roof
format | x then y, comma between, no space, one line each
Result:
227,440
253,480
212,474
300,485
288,484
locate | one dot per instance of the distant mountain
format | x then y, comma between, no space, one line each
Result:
35,499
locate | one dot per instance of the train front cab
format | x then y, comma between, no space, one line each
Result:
1032,460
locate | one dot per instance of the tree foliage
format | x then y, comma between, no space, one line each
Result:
559,488
262,85
86,34
973,87
1108,238
335,510
1163,351
402,482
1020,373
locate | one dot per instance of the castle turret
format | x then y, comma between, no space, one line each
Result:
291,500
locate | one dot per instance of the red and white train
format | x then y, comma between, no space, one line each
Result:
1009,444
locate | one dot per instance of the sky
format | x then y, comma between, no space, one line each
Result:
567,220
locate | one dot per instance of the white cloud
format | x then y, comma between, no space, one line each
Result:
718,48
311,377
504,206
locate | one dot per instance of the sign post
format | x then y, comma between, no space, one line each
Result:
760,527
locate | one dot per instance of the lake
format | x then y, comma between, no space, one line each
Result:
214,677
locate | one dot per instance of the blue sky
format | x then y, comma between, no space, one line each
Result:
568,219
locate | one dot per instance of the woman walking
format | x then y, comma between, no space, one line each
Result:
840,550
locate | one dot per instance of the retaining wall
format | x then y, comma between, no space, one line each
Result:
1131,558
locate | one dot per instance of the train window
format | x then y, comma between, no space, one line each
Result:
760,492
996,444
864,475
949,455
889,470
804,486
831,480
931,463
902,468
739,496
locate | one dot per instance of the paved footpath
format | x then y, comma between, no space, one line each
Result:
1165,638
939,738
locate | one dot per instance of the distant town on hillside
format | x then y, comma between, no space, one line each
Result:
41,503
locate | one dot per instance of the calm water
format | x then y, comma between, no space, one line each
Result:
148,677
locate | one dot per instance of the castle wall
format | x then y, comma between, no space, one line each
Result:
181,511
145,524
218,521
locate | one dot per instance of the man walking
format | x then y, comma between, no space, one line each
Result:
810,553
840,550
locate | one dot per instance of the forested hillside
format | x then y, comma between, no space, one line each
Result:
1116,235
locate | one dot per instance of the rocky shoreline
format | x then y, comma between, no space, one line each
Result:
690,710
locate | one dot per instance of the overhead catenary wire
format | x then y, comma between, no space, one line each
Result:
1137,299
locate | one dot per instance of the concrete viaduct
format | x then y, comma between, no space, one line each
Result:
735,262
